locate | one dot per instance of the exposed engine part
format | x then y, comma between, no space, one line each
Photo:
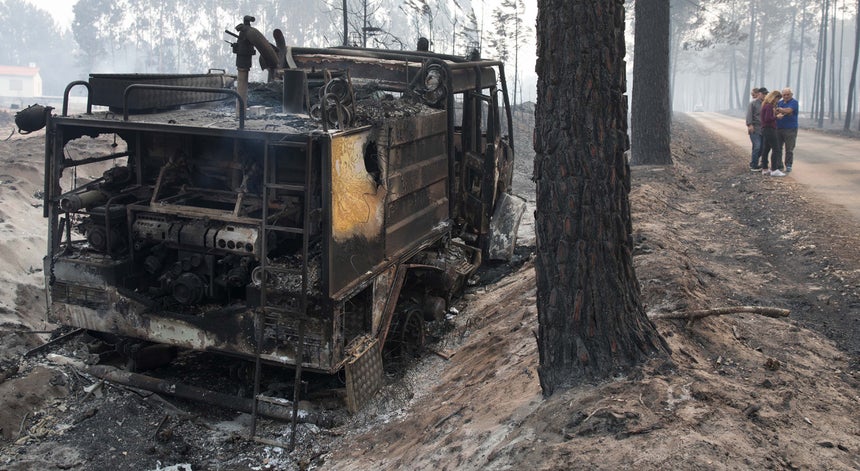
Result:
85,200
286,278
188,289
233,271
227,238
105,231
193,278
103,240
117,177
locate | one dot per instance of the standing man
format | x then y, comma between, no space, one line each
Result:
786,125
754,125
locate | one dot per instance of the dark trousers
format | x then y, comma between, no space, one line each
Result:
788,138
771,144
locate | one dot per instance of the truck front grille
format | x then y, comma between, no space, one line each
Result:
79,295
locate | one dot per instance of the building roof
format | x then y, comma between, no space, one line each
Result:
19,71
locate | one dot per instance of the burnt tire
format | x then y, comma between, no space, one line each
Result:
406,339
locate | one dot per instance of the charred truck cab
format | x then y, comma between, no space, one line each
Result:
325,214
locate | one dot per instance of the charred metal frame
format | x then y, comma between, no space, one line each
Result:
365,264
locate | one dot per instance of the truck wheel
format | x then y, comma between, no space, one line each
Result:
407,338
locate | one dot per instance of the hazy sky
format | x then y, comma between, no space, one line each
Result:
61,10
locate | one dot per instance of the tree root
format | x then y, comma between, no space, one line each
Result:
774,312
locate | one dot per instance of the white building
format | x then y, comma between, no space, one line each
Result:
20,82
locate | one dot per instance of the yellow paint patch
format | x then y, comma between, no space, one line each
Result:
357,203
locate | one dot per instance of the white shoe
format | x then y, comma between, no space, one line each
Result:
765,171
777,173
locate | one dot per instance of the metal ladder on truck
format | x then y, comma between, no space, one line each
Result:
270,315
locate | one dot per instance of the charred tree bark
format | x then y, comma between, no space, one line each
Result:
652,111
591,320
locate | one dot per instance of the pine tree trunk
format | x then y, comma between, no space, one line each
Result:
751,51
762,55
852,84
591,321
832,97
822,85
800,52
734,101
790,53
652,113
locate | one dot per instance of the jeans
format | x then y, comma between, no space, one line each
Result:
756,140
788,138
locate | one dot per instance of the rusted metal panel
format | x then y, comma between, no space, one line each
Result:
363,373
413,216
357,211
389,74
356,197
226,332
124,316
417,178
108,89
86,294
467,79
398,71
382,286
412,129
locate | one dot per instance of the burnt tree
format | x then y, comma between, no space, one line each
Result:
652,112
591,321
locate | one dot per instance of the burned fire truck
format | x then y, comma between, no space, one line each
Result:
308,221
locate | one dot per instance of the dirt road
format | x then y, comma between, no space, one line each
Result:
830,165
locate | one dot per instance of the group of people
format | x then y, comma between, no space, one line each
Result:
772,126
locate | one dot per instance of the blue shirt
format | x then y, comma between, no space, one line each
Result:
790,121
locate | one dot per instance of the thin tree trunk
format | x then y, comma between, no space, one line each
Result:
734,101
802,43
364,24
762,55
751,51
839,75
823,59
345,25
591,322
790,53
816,79
852,84
832,101
516,48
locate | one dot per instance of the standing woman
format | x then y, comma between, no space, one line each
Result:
770,139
